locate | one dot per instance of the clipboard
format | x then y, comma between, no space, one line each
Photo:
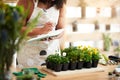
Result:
50,34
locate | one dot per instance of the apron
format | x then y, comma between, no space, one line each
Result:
34,53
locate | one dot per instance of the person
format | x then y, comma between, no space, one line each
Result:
52,18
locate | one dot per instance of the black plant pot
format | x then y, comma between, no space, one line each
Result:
65,66
57,67
87,65
48,64
79,65
72,65
95,63
52,66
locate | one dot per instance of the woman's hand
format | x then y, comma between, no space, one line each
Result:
57,37
44,30
47,28
54,37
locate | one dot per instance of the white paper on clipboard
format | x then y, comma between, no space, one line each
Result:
50,34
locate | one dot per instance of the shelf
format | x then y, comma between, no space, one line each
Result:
94,36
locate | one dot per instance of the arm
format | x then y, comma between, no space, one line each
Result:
24,4
28,5
61,21
61,25
37,31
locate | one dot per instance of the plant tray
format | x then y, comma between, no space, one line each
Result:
72,72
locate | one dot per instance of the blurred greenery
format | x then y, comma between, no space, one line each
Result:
117,49
11,23
107,41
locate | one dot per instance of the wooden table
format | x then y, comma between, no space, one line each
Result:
83,76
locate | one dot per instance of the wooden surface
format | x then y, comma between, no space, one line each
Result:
84,76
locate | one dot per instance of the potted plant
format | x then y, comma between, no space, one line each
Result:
55,62
95,57
49,62
72,56
107,42
65,63
80,58
87,57
11,22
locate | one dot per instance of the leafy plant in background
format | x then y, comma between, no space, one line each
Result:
117,49
107,42
11,23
